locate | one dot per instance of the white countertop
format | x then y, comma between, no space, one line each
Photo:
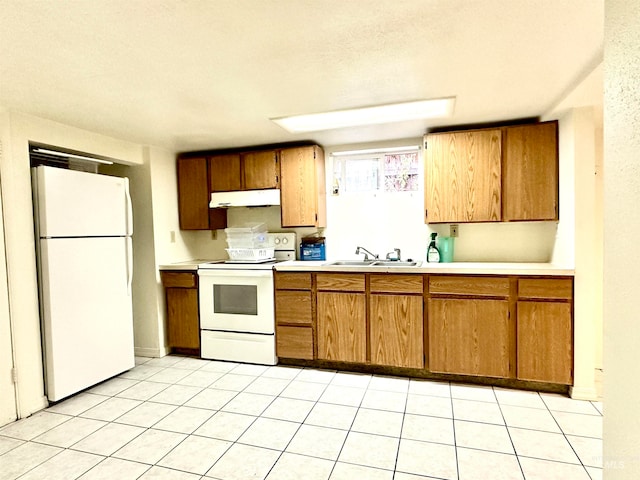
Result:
477,268
187,264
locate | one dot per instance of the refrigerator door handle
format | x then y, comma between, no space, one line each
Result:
129,254
129,212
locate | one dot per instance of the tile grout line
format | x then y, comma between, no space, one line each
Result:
453,425
565,436
299,427
506,427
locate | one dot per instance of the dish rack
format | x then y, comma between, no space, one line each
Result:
249,243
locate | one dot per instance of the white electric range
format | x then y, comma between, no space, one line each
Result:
237,319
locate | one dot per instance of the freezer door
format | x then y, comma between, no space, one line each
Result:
86,312
71,203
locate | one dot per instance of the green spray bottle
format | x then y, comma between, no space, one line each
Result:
433,254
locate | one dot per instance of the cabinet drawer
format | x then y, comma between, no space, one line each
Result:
340,282
294,342
554,288
293,281
463,285
393,283
179,279
293,307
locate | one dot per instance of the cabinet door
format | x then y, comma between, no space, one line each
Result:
260,170
302,190
225,173
294,342
193,194
545,339
342,327
293,306
469,337
463,176
396,330
183,329
530,188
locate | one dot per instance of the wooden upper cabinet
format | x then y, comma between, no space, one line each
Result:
225,173
244,171
530,171
260,170
463,176
302,187
193,194
193,197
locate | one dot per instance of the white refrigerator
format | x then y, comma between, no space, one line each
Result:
85,265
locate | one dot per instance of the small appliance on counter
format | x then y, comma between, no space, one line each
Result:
313,248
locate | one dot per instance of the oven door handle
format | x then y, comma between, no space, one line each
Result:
221,273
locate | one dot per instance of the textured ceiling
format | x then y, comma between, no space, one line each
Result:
200,74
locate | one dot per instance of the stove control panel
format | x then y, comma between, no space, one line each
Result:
285,245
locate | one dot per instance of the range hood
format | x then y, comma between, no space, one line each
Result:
245,198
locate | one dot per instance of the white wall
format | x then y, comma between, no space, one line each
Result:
588,263
579,239
621,234
20,129
8,397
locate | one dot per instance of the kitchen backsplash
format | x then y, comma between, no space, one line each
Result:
383,228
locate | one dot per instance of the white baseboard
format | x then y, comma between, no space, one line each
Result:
583,393
151,352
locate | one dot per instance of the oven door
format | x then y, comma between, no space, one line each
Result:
236,300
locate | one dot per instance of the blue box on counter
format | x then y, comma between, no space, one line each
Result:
313,248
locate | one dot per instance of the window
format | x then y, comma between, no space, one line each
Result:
376,171
401,172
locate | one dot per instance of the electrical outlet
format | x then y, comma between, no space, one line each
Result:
214,234
172,235
453,230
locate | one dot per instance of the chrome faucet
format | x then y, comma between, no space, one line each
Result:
366,252
396,252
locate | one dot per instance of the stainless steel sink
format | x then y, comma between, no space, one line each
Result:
352,263
393,263
372,263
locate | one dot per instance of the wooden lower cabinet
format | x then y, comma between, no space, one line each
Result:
469,336
294,342
507,327
341,324
293,307
183,324
545,342
294,315
395,330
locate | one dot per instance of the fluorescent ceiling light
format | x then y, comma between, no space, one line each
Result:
396,112
409,148
71,155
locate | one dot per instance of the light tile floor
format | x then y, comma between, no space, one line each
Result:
185,418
